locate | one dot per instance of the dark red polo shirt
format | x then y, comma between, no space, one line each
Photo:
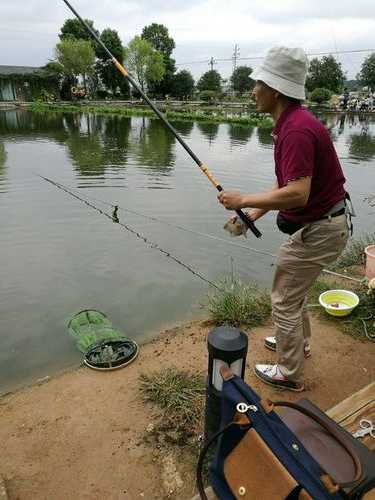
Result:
303,148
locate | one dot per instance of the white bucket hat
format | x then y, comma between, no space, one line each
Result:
284,69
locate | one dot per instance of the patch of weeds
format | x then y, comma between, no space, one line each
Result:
322,285
354,253
180,396
238,304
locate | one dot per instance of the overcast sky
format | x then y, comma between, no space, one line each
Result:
201,29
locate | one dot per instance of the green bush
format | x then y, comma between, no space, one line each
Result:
46,96
208,96
354,254
320,95
235,303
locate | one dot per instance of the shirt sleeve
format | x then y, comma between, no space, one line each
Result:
297,156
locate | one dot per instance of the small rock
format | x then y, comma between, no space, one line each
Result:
150,428
43,380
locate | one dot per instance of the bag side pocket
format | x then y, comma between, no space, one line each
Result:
253,472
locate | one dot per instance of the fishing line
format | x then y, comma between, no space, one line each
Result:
181,228
115,219
210,236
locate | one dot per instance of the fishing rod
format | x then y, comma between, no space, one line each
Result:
243,216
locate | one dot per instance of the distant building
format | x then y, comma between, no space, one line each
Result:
24,83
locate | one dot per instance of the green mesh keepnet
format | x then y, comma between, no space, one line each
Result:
104,347
90,327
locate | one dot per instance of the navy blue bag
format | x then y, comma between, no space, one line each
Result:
259,458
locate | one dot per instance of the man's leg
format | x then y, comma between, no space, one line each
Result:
293,279
306,325
299,263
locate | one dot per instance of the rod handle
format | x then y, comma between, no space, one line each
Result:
245,218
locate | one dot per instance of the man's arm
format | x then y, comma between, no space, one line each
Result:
294,195
257,213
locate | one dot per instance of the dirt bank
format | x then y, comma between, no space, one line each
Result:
81,435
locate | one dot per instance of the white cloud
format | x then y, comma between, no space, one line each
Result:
200,28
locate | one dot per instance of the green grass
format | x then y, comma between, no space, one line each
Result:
180,398
201,115
354,253
237,304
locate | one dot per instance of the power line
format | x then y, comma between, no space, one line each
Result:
253,58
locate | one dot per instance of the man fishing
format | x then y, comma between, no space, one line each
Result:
310,198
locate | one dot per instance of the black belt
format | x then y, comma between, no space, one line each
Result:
335,214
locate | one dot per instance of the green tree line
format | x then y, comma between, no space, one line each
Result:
81,63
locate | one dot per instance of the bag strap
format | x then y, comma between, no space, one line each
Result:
331,429
202,456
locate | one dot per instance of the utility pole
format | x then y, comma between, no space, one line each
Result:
236,55
212,62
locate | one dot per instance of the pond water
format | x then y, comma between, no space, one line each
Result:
59,255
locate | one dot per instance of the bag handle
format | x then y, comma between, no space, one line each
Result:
330,428
202,456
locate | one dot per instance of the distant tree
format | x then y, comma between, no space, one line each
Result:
144,62
183,84
73,28
209,96
77,58
367,74
211,80
325,73
240,79
158,36
351,85
54,69
109,75
320,95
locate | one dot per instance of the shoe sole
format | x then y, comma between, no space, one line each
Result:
273,349
273,384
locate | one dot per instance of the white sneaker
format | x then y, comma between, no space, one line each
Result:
271,375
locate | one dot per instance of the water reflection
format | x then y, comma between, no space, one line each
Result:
209,130
362,146
23,125
116,140
99,144
184,128
154,147
86,153
239,134
265,137
96,143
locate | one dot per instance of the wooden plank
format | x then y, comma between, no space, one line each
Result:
349,412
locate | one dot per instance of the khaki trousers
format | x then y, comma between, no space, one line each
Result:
300,260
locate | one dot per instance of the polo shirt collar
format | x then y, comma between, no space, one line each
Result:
284,115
